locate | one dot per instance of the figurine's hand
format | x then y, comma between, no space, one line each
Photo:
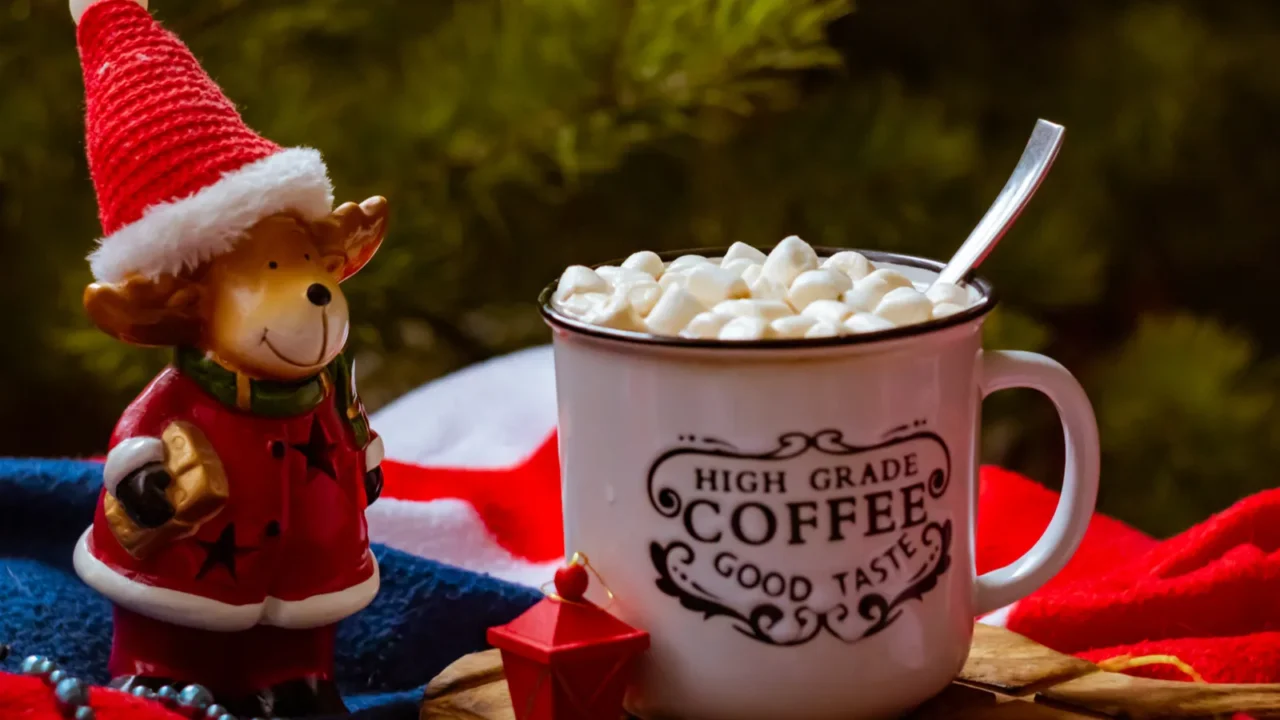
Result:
142,495
372,484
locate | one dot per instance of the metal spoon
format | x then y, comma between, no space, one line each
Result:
1036,160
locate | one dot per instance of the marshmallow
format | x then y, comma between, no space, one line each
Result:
646,261
792,326
787,260
709,285
947,293
904,306
679,277
617,313
737,267
765,288
766,309
786,293
833,312
687,262
608,273
643,296
822,329
866,293
813,285
583,303
892,278
942,310
641,289
619,276
580,279
866,322
672,312
745,328
853,264
705,326
743,251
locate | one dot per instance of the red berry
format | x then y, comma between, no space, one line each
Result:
571,582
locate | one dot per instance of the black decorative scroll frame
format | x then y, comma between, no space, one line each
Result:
883,611
668,503
756,623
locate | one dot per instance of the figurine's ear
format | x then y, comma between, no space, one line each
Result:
352,234
163,312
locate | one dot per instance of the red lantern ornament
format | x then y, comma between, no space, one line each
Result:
566,658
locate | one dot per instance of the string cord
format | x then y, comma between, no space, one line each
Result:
578,558
1126,662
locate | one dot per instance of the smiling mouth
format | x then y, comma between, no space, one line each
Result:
324,345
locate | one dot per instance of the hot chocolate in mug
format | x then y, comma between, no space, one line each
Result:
792,520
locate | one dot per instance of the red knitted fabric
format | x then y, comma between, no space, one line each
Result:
178,174
1249,658
157,127
1207,597
1012,514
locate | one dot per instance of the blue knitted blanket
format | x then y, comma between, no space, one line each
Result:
426,614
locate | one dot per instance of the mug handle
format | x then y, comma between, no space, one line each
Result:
1014,369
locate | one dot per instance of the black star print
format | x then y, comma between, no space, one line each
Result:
317,449
222,551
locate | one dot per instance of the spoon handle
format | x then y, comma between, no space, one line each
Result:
1036,159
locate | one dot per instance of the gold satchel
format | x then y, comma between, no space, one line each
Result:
197,493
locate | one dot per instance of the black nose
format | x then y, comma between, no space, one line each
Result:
319,294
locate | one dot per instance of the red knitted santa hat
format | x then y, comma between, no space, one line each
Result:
179,176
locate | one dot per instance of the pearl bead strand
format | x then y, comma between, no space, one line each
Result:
72,694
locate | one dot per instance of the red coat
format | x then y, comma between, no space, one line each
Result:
290,546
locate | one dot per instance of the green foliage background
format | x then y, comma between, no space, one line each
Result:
514,137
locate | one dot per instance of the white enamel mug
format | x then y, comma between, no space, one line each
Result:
792,520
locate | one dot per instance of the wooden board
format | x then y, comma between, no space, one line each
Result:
1013,665
1114,694
1007,677
473,688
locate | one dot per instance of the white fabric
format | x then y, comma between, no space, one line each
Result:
490,415
182,234
450,531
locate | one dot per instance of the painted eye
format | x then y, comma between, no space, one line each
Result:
272,265
306,256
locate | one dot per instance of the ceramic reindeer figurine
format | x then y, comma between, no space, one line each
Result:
230,533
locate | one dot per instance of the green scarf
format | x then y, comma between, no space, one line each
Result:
272,398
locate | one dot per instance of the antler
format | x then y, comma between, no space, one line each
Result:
160,312
354,232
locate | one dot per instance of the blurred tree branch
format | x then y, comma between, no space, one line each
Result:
514,137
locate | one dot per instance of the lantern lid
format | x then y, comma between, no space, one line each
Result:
563,630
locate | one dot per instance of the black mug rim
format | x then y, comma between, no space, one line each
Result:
559,320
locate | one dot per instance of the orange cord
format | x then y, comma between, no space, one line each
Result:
1125,662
